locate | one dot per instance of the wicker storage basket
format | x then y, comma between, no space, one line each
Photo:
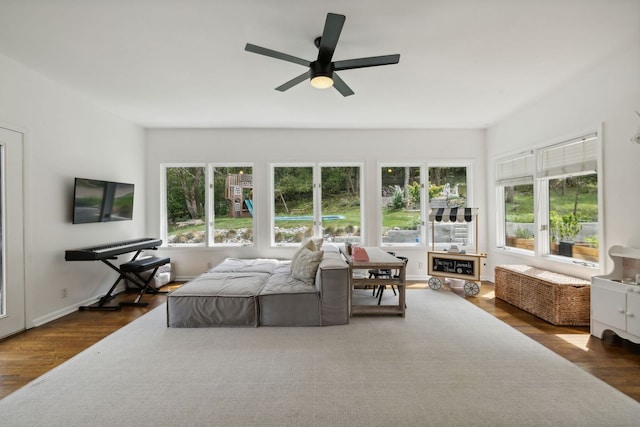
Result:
557,298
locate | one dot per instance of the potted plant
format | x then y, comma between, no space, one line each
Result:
565,228
522,238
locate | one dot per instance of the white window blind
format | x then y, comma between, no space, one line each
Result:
515,170
576,156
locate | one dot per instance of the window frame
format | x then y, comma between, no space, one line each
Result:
542,199
544,249
317,196
471,244
422,232
164,217
513,178
211,215
209,201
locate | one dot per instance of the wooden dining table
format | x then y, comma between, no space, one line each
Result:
376,259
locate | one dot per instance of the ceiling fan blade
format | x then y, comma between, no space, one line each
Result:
372,61
330,35
294,81
275,54
341,86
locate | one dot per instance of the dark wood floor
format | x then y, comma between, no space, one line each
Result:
612,359
30,354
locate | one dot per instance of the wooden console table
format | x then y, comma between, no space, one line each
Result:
378,259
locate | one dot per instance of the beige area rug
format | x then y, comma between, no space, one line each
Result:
448,363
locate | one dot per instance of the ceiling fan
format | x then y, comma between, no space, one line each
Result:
321,72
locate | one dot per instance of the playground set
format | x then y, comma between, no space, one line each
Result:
239,190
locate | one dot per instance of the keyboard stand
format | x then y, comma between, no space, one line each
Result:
100,305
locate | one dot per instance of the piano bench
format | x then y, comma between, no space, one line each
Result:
144,264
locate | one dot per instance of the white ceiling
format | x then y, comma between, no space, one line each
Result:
181,63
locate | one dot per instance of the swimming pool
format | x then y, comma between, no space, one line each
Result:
308,218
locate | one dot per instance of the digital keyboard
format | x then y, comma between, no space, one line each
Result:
110,250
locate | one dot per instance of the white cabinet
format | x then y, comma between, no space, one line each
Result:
633,314
615,306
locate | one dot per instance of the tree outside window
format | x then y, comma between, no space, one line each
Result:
292,203
185,205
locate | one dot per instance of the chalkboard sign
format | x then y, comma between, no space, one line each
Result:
453,265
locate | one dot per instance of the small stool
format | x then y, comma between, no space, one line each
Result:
133,269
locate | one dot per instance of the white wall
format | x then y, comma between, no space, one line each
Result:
265,146
606,95
66,136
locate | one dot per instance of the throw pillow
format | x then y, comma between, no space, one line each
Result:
318,241
306,266
308,244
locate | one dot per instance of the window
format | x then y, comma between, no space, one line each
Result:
185,205
293,203
551,208
341,214
568,182
232,201
448,188
514,182
401,198
193,217
316,200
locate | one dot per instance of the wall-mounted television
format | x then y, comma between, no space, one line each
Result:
101,201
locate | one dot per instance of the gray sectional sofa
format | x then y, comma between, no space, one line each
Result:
312,289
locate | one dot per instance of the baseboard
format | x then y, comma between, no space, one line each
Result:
63,311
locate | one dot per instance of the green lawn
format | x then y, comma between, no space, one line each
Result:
400,218
522,208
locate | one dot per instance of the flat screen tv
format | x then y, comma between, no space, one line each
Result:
101,201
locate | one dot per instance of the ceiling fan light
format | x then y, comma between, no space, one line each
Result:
321,82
